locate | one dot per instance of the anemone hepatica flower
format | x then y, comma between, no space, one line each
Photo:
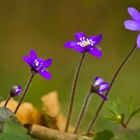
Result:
99,86
134,24
84,44
38,65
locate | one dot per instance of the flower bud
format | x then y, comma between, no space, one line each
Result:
119,117
15,91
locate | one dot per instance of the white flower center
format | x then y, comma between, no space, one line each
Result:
39,66
85,42
36,63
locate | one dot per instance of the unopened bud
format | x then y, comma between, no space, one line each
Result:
15,91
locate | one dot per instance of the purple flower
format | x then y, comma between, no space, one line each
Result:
99,86
84,44
38,65
15,91
134,24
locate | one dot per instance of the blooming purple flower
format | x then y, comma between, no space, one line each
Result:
84,44
15,91
134,24
99,86
38,65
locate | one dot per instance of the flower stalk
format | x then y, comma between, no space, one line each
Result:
74,90
91,125
25,91
83,45
98,86
82,112
9,97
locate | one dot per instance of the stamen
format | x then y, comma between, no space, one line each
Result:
86,42
36,62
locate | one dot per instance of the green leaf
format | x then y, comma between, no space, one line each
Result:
114,119
104,135
129,134
5,113
114,109
14,130
10,127
133,114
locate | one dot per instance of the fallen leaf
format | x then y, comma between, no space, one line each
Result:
51,105
27,113
54,118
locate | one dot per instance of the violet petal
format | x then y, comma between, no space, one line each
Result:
80,35
98,81
96,39
134,13
132,25
79,49
48,63
28,60
95,52
138,41
45,74
33,54
70,44
103,96
104,87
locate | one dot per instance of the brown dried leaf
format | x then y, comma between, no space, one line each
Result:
51,109
27,113
51,105
53,116
61,123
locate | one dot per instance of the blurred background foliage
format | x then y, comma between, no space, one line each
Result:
45,25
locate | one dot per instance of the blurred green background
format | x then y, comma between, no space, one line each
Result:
45,25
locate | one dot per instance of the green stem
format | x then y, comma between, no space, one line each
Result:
25,91
74,90
82,112
7,101
111,84
131,116
122,121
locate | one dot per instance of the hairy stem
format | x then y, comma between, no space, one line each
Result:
131,116
122,121
7,101
82,112
75,80
25,91
111,84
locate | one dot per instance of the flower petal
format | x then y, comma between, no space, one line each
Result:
132,25
80,35
45,74
70,44
134,13
103,96
48,63
28,60
103,87
33,54
96,39
79,49
98,81
138,41
95,52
